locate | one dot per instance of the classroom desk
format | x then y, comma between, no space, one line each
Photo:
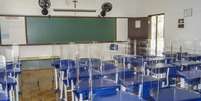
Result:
100,87
117,72
170,54
139,60
72,77
85,62
163,71
67,70
11,83
162,68
60,67
192,77
154,59
11,65
176,94
82,75
3,96
137,80
187,65
128,59
141,84
64,63
159,66
120,96
14,70
192,57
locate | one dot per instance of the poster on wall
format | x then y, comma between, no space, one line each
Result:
180,23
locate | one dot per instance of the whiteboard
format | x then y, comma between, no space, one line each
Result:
122,29
12,30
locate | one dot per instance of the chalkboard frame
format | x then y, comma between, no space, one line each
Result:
61,16
29,43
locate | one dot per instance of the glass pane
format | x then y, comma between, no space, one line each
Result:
160,40
153,35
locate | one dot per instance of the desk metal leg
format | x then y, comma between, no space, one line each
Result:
56,78
65,92
140,91
17,89
11,94
116,77
182,83
123,88
72,89
76,99
80,97
148,72
167,76
61,84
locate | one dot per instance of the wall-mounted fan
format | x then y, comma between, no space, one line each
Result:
44,4
106,7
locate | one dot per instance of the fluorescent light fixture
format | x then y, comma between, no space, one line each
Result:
74,10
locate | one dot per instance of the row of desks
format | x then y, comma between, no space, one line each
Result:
165,94
9,80
131,81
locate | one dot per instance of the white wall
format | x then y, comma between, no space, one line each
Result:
95,50
30,7
121,8
190,36
122,29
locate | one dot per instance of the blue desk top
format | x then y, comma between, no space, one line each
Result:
177,94
159,66
98,84
191,56
169,53
15,70
190,75
186,63
10,81
120,96
136,80
115,70
65,64
128,59
3,96
152,59
83,74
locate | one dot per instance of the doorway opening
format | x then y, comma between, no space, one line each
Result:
157,34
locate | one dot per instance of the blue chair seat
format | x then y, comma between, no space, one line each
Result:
11,82
3,96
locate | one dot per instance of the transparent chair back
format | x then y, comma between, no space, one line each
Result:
3,74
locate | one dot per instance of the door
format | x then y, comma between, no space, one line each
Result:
157,34
137,33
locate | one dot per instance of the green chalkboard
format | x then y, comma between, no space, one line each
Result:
45,30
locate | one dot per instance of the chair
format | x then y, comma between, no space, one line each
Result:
3,77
